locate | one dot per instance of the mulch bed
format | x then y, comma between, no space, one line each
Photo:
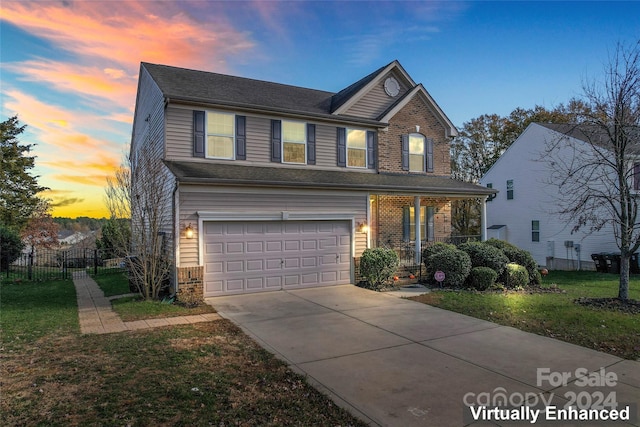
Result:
611,304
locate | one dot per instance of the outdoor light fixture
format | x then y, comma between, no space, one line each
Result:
188,231
363,227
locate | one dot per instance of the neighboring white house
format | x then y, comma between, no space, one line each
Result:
522,212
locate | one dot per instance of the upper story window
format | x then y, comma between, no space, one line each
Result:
509,189
416,153
294,142
220,135
535,231
356,148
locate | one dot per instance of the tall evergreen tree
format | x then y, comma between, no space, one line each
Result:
18,188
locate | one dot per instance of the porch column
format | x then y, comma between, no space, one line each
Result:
483,220
418,244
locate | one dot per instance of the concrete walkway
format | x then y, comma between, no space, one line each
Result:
97,317
396,362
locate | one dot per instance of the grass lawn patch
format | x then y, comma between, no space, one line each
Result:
200,374
31,310
136,308
556,314
113,283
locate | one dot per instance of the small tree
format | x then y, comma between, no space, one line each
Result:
40,232
138,199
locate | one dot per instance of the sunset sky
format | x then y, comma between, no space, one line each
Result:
69,68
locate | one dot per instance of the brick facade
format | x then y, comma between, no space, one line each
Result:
416,112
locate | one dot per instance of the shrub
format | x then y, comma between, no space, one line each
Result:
455,264
10,247
482,278
519,256
483,255
515,276
378,265
435,248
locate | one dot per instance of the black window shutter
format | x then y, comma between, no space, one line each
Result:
406,224
429,154
430,224
311,144
372,140
276,140
342,147
241,138
405,152
199,132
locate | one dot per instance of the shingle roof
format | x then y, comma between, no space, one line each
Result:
220,89
233,174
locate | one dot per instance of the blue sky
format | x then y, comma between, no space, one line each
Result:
69,68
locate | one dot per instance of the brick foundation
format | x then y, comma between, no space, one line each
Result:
190,283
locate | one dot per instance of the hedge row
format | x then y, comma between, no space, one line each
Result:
480,265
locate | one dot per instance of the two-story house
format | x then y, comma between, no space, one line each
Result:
275,187
524,212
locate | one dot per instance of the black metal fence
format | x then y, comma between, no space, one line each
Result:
48,264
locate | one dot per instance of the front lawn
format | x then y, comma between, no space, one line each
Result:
555,314
201,374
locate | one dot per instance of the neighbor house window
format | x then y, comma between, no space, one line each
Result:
510,189
220,135
356,148
294,142
535,231
416,153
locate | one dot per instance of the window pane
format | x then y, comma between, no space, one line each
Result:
357,157
416,144
220,146
220,124
293,131
293,153
416,163
423,223
356,138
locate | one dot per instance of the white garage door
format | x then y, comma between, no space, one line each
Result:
255,256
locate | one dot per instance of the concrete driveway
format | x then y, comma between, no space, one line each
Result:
395,362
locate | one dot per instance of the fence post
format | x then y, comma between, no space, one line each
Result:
30,266
95,262
64,265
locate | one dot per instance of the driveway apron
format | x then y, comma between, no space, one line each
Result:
396,362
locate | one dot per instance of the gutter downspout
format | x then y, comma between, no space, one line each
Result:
483,219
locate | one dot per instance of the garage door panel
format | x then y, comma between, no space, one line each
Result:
253,256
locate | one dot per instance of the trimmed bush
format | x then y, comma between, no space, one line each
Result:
435,248
516,276
377,266
455,264
483,255
482,278
519,256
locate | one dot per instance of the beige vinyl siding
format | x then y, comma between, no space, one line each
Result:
179,139
376,101
234,200
148,140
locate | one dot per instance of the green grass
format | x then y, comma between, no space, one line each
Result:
135,308
202,374
113,283
555,314
31,310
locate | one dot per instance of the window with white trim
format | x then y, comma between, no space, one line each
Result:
357,148
509,189
535,231
220,135
294,142
416,152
